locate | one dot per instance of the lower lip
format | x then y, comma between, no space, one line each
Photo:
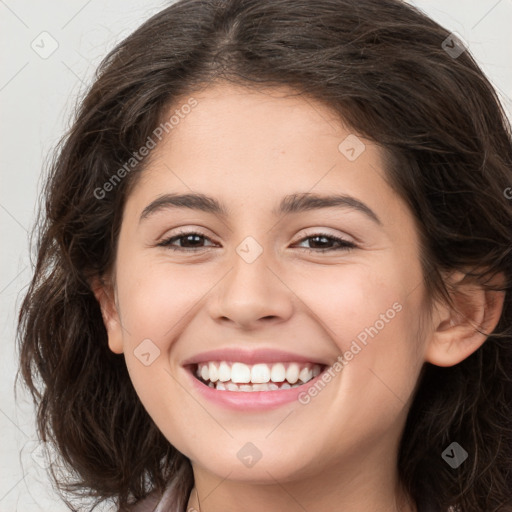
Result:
251,400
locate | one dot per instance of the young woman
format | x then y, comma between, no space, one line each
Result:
274,268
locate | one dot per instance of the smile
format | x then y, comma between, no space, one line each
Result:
237,376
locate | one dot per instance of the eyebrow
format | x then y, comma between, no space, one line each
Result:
293,203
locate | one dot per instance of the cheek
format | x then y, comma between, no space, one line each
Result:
157,298
372,314
156,302
351,300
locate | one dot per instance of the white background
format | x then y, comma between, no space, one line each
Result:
37,97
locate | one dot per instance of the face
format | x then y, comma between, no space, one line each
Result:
269,289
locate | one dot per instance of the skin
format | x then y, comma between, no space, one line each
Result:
249,149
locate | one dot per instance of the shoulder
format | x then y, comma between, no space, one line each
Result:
156,502
148,504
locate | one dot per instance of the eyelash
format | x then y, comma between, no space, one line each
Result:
345,245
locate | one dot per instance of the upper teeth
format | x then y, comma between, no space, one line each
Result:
260,373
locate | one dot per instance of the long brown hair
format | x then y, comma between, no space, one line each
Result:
385,68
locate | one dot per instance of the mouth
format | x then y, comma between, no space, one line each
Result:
241,377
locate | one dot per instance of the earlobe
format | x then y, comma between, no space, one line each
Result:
462,329
105,296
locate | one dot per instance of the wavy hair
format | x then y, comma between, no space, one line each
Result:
383,66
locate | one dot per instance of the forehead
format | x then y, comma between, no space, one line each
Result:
251,148
236,119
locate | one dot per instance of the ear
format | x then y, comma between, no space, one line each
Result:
462,329
105,296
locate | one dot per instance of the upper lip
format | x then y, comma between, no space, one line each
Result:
250,356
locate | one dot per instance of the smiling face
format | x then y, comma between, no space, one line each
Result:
254,284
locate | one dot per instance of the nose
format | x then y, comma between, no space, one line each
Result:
252,295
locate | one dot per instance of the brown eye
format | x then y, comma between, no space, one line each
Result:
323,240
189,241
